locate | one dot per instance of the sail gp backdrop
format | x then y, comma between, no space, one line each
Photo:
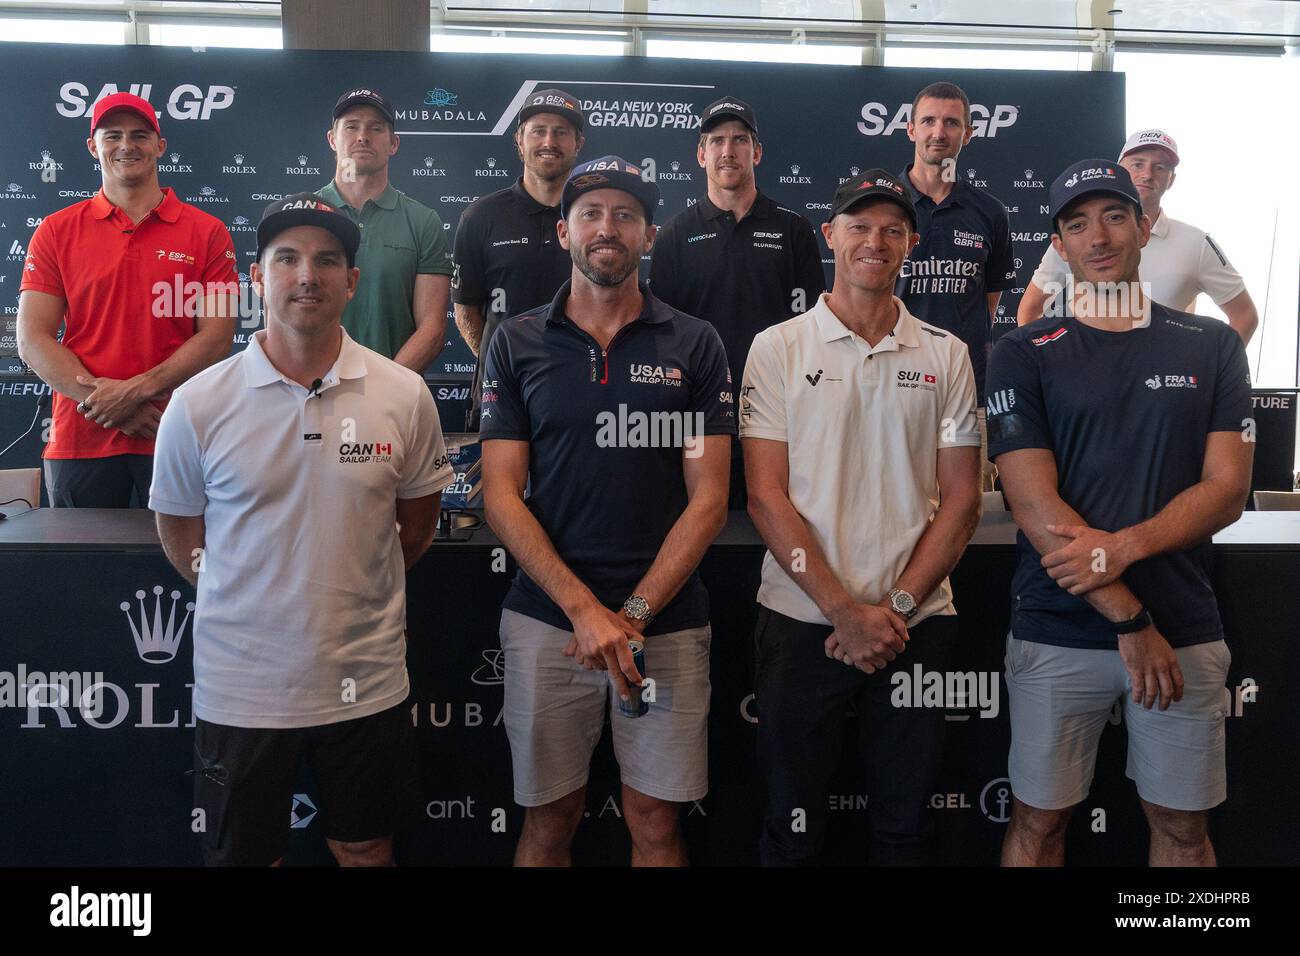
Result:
246,127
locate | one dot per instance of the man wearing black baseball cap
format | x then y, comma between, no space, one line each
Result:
568,391
1120,432
400,307
305,472
736,258
508,257
964,262
862,458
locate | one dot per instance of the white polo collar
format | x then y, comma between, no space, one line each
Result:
259,371
906,330
1160,227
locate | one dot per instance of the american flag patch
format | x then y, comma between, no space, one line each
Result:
673,373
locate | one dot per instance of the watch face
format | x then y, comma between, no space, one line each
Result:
637,608
903,603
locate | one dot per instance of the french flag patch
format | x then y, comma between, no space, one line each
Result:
1049,337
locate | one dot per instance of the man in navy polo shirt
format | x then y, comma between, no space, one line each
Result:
1123,439
736,258
958,271
615,412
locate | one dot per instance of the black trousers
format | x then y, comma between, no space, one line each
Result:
803,697
99,482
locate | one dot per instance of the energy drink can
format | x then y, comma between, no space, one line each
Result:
638,706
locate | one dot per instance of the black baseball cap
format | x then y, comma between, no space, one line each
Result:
1091,176
728,108
365,97
874,183
552,101
307,209
610,172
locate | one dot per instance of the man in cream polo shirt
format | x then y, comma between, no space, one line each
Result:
857,419
1179,260
294,484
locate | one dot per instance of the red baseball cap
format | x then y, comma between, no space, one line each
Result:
124,101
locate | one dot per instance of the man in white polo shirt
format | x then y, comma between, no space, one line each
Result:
1179,261
857,419
294,485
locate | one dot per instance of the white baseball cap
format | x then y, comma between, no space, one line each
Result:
1146,138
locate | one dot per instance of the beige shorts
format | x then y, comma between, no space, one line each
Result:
555,710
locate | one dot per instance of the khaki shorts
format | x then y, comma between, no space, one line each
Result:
555,710
1061,698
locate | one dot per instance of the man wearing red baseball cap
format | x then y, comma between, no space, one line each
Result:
143,286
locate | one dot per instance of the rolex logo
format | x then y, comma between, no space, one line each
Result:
302,159
970,174
492,163
794,170
176,157
155,642
1029,174
239,157
854,171
45,155
428,161
675,165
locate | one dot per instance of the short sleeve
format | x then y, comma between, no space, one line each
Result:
762,391
503,412
1051,272
958,426
1232,392
435,255
468,279
710,383
1000,270
1215,275
426,468
41,270
1017,416
219,268
178,486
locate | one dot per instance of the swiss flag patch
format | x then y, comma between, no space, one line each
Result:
930,379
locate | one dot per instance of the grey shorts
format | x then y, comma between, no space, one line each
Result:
555,710
1060,700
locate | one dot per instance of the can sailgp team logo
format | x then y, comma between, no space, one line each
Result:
353,451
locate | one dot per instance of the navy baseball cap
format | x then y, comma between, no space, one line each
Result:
1091,176
365,97
307,209
610,172
552,101
874,183
728,108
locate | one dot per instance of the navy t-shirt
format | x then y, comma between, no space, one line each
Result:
605,474
964,253
1126,415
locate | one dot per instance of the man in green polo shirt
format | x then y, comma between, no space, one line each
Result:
400,307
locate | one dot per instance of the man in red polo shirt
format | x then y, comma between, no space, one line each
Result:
144,287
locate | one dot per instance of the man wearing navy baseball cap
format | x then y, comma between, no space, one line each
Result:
1119,430
400,307
615,522
1179,262
862,458
306,473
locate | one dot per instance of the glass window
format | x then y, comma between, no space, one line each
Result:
206,35
1234,178
756,51
963,58
485,42
64,31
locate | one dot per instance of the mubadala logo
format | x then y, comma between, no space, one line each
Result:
185,102
175,165
794,178
14,191
983,122
972,181
302,169
207,195
241,224
428,169
440,97
1029,182
47,162
491,170
239,169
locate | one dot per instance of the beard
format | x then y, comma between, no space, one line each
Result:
608,276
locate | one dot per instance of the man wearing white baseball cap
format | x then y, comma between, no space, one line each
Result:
1180,261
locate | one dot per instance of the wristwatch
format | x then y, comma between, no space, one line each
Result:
1138,622
637,608
903,603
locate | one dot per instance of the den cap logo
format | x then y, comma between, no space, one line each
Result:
553,101
1144,139
610,172
729,107
1090,176
307,209
364,96
874,183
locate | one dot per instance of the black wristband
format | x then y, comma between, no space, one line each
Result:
1139,622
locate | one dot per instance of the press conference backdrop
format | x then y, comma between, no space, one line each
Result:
246,127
